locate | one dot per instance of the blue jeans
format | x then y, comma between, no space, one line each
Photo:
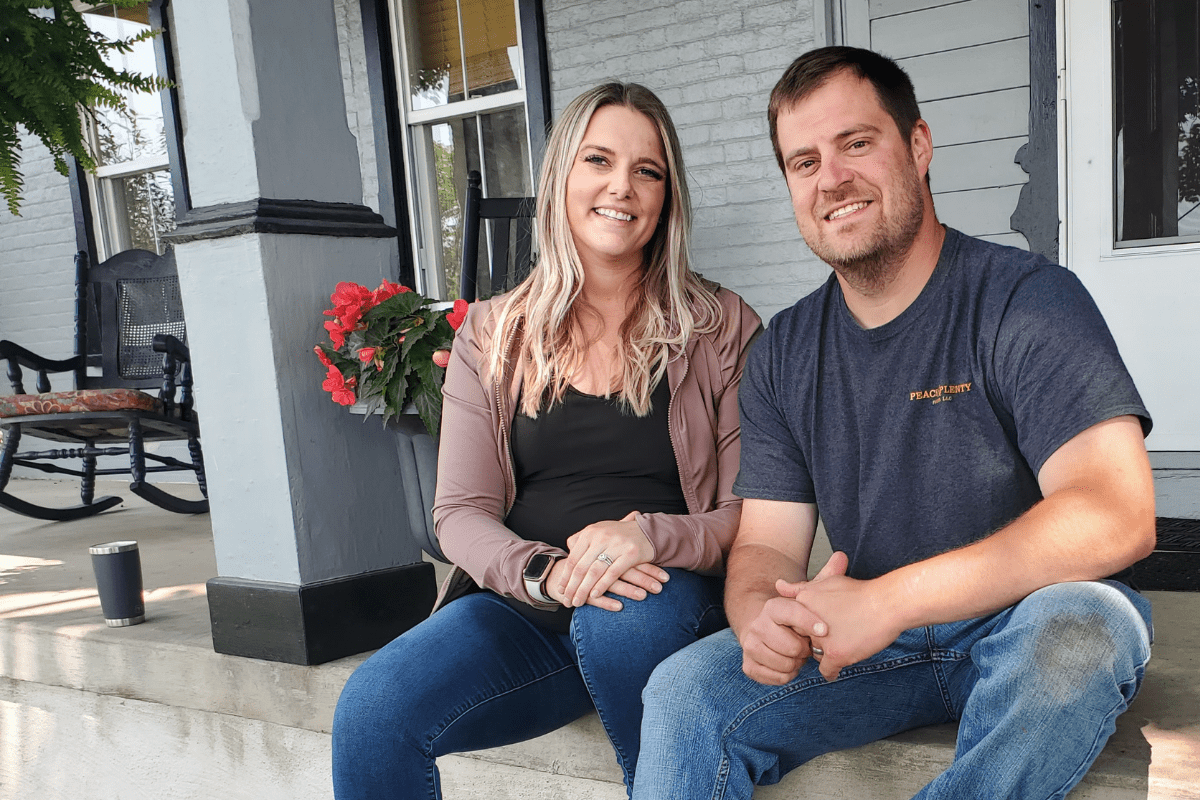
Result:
1036,687
477,674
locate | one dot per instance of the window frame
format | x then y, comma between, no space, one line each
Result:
532,97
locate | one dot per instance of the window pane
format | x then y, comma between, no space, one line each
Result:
490,42
136,131
455,151
1157,101
138,210
434,52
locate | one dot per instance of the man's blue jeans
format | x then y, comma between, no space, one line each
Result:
477,674
1037,689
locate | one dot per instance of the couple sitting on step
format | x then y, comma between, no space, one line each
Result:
630,478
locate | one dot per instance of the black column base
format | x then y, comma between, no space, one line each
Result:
318,622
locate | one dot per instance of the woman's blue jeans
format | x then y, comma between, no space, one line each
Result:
477,674
1036,687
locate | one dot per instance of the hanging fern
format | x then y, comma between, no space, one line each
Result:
52,71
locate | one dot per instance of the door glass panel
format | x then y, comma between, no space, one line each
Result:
1157,103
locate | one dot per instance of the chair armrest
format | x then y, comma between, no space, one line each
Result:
166,343
27,358
18,357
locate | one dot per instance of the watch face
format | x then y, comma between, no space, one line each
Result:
536,569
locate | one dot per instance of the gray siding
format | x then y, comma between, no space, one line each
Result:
37,269
713,65
969,61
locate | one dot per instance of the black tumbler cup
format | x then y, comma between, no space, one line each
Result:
118,568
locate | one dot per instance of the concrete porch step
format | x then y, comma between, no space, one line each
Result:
88,711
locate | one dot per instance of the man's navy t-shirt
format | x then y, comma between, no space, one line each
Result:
927,433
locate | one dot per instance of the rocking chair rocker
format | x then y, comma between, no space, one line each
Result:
131,302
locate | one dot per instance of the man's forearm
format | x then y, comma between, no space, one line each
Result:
751,572
1070,536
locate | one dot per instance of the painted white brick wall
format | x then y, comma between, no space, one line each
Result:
713,63
37,266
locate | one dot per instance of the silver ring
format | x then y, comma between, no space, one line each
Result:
604,557
816,651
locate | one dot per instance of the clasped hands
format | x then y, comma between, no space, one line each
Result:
840,616
582,578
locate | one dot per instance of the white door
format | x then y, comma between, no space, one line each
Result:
1130,139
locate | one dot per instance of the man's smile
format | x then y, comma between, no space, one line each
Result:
846,210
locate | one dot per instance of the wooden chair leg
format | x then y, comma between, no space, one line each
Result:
87,487
152,494
198,463
12,438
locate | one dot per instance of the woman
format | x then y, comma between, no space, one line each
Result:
589,446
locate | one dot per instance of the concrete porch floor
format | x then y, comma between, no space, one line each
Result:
88,711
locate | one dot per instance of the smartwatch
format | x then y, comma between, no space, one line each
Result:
536,572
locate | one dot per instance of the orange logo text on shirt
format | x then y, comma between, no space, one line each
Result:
940,394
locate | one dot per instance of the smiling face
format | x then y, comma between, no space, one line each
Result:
616,187
856,184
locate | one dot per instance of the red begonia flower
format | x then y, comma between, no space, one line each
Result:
366,354
387,289
336,334
441,357
321,355
341,389
333,379
350,300
456,317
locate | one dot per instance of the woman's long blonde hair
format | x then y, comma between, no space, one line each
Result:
672,303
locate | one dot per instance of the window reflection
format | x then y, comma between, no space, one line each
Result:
1157,102
137,130
436,50
135,203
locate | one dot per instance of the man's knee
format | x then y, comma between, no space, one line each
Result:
1079,632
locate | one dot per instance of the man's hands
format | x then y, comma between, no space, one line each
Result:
779,640
856,623
582,578
840,616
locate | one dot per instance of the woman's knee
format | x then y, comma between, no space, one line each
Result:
688,606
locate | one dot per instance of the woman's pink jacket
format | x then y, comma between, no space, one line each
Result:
475,483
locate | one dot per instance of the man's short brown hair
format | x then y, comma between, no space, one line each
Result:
812,70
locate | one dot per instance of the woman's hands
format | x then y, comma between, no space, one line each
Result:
584,578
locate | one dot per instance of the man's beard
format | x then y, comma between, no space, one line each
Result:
872,265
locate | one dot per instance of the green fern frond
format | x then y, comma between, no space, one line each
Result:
52,68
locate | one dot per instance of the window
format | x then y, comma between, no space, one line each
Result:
464,105
1156,74
134,200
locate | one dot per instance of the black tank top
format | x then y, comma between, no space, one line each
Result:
583,461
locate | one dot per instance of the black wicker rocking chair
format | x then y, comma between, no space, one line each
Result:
131,307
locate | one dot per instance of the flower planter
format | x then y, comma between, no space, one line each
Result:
418,453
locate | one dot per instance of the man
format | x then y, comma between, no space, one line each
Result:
959,414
